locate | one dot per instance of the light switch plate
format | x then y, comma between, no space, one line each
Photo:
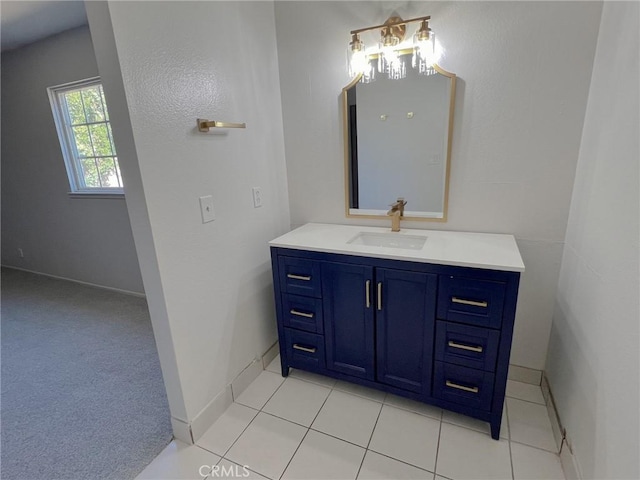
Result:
206,208
257,197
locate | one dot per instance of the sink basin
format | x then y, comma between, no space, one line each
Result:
389,240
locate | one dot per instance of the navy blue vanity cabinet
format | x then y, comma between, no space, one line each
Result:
433,333
405,312
349,320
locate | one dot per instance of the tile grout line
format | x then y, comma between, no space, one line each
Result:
236,463
305,435
245,428
275,416
355,444
401,461
366,449
513,474
435,464
537,448
524,400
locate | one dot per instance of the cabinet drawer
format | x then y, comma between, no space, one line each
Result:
468,346
300,276
304,350
304,313
472,301
462,385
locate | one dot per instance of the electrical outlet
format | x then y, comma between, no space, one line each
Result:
206,209
20,253
257,197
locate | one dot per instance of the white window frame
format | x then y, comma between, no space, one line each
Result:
68,144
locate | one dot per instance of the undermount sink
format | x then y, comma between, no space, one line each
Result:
389,240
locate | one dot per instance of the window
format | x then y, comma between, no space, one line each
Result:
82,121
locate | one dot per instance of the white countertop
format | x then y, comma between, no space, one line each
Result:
478,250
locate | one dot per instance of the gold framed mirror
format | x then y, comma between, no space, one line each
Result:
397,143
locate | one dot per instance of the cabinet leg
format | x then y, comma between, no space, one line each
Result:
495,429
284,366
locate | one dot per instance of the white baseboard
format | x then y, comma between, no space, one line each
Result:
552,412
569,462
113,289
190,433
524,375
181,431
272,353
209,414
245,377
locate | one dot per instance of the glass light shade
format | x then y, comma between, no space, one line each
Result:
424,54
358,60
389,59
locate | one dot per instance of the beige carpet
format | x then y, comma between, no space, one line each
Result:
82,392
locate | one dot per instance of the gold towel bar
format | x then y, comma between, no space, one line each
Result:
204,125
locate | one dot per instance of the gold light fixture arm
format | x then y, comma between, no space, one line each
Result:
204,125
395,22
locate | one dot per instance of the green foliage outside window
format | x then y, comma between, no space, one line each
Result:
88,121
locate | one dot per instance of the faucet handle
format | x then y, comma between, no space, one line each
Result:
399,203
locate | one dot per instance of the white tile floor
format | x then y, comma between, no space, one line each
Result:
312,427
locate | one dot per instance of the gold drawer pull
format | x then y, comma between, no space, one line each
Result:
367,287
304,349
299,277
462,387
301,314
464,347
379,295
469,302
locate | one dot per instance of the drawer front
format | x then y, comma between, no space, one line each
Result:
304,350
462,385
471,301
304,313
468,346
300,276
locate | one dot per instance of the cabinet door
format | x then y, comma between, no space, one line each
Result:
348,318
405,311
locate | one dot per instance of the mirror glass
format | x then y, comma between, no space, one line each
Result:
398,143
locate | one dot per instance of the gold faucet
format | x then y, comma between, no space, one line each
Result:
396,212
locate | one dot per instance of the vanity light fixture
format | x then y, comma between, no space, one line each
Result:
392,51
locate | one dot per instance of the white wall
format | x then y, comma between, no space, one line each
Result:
78,238
212,288
523,77
593,363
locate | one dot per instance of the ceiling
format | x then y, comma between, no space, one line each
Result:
24,22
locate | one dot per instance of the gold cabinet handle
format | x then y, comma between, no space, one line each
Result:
300,314
379,295
299,277
367,287
461,346
469,302
449,383
304,349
